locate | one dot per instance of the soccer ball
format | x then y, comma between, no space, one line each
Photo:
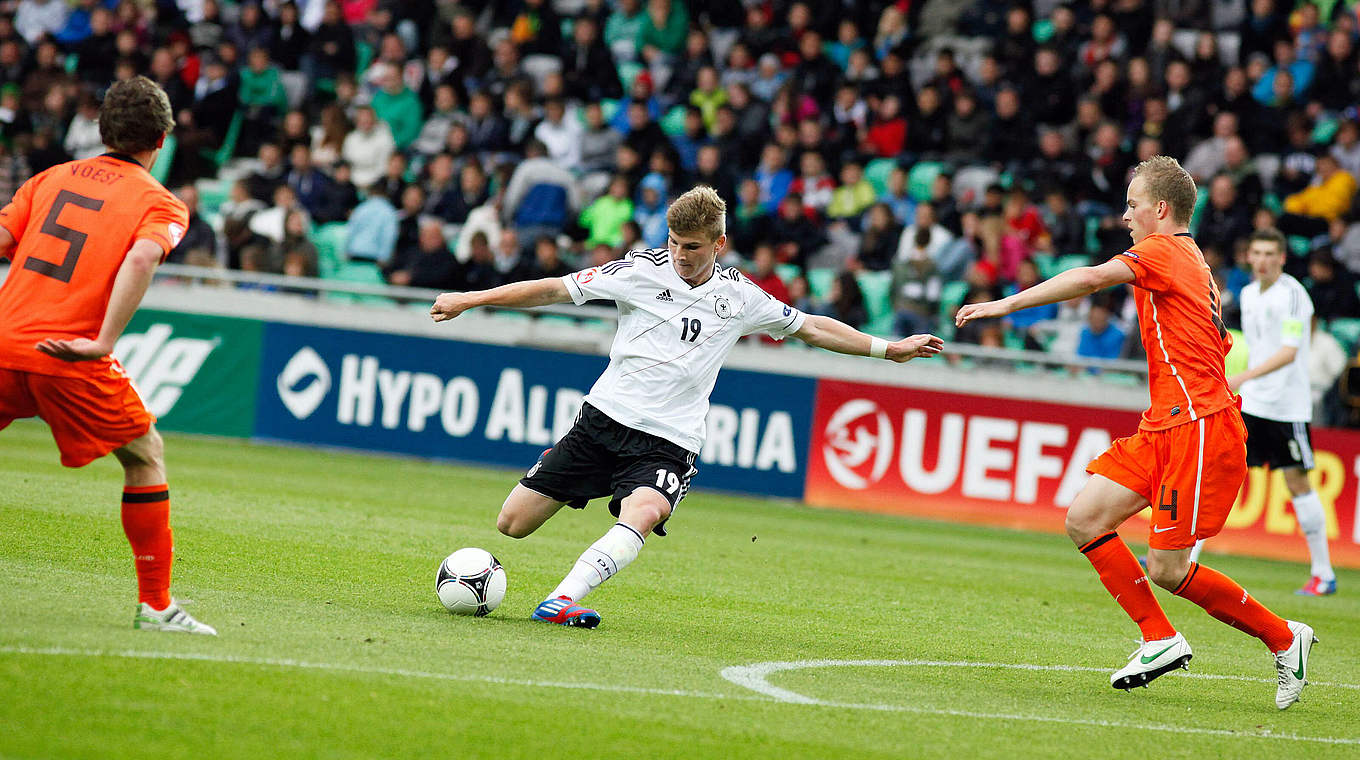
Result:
470,582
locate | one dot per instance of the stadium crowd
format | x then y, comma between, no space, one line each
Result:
882,162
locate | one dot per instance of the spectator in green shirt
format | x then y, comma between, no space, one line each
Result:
263,100
399,107
663,30
622,28
604,219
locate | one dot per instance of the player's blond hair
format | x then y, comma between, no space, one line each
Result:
701,211
135,116
1164,179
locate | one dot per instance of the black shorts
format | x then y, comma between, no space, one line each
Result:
599,457
1278,444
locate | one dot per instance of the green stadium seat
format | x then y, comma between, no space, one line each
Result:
1325,130
161,169
628,71
363,56
359,272
330,240
951,298
876,173
877,289
1093,235
819,282
787,272
673,122
1299,245
1047,264
1272,202
921,177
1071,261
1347,331
224,152
1042,30
212,193
1201,200
608,107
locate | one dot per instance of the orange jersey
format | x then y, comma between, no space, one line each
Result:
74,224
1182,331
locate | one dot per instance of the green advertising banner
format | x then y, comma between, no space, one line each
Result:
197,373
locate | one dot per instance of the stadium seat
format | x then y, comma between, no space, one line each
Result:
1046,264
224,152
787,272
1201,200
1325,130
974,180
920,179
673,123
877,289
819,282
359,272
628,71
161,169
1346,331
1299,245
876,173
951,298
363,56
608,107
330,240
212,193
1070,261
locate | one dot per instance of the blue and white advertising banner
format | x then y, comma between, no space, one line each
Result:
501,405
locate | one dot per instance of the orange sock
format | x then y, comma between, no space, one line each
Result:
146,521
1128,584
1222,598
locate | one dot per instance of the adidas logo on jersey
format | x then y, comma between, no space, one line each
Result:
665,295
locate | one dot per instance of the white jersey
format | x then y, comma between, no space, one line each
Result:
672,339
1278,317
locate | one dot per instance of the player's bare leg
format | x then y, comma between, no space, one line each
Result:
146,522
1100,507
639,513
524,511
1313,525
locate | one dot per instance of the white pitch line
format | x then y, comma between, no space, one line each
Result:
324,666
755,677
748,676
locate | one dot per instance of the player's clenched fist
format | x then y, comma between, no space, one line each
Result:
447,306
914,347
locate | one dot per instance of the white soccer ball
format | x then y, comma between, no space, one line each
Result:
470,582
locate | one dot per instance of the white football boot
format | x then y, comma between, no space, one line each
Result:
1152,659
1291,665
172,618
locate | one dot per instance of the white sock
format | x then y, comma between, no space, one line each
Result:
1308,510
600,562
1194,553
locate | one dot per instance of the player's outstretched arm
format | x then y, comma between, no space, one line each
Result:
130,284
548,290
835,335
1074,283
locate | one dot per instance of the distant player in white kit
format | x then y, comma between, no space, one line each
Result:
642,424
1276,403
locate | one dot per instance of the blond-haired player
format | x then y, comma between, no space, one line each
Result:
642,424
1188,458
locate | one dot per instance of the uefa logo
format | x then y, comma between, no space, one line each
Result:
859,444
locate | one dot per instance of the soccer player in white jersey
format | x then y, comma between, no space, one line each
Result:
642,424
1276,401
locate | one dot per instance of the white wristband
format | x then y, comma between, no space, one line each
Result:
878,348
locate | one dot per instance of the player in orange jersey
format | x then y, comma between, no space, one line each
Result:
85,238
1188,458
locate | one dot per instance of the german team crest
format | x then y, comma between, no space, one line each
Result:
723,307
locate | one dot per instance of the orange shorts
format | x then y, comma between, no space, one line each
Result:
90,415
1190,474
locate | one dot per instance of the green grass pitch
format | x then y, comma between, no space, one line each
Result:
318,569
